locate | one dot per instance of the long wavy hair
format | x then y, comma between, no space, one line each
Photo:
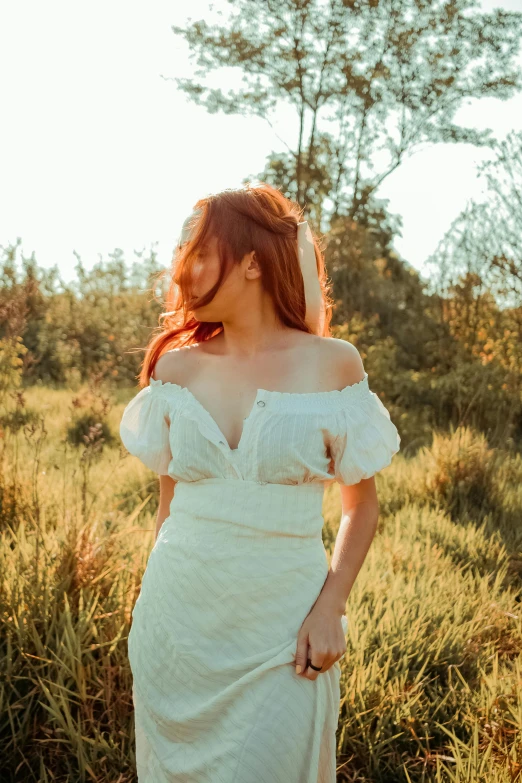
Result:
249,218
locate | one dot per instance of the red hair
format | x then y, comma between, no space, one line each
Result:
249,218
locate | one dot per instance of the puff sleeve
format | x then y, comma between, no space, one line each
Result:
145,429
367,438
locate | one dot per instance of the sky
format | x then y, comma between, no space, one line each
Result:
99,150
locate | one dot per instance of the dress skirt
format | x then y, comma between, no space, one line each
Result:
234,571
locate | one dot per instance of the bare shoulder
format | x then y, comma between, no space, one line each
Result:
172,366
346,359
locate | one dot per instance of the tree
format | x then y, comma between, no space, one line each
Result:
476,272
389,74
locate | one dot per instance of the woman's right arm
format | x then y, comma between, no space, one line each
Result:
167,485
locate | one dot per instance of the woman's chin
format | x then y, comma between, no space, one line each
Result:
202,314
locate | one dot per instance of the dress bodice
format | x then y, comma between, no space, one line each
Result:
287,438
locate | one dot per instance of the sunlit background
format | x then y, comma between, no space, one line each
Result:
100,150
102,158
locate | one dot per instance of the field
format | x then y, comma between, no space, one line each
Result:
431,681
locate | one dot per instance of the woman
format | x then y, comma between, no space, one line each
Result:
248,409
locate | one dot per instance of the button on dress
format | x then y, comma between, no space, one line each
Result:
236,568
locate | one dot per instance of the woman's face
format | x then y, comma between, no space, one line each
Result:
231,294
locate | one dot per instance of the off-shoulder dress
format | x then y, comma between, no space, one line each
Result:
236,567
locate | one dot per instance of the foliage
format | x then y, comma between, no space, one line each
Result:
458,468
430,679
88,423
395,81
72,331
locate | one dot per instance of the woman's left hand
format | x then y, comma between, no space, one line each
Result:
320,639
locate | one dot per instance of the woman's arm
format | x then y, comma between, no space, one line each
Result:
360,514
322,631
167,485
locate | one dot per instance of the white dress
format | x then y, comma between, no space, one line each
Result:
236,568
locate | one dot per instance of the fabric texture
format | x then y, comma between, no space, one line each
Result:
237,566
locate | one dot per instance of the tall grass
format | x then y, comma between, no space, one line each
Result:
431,681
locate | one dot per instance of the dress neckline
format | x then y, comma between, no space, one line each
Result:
261,398
349,389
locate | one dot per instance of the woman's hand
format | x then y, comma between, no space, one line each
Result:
320,639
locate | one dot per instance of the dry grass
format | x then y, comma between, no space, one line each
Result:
431,682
